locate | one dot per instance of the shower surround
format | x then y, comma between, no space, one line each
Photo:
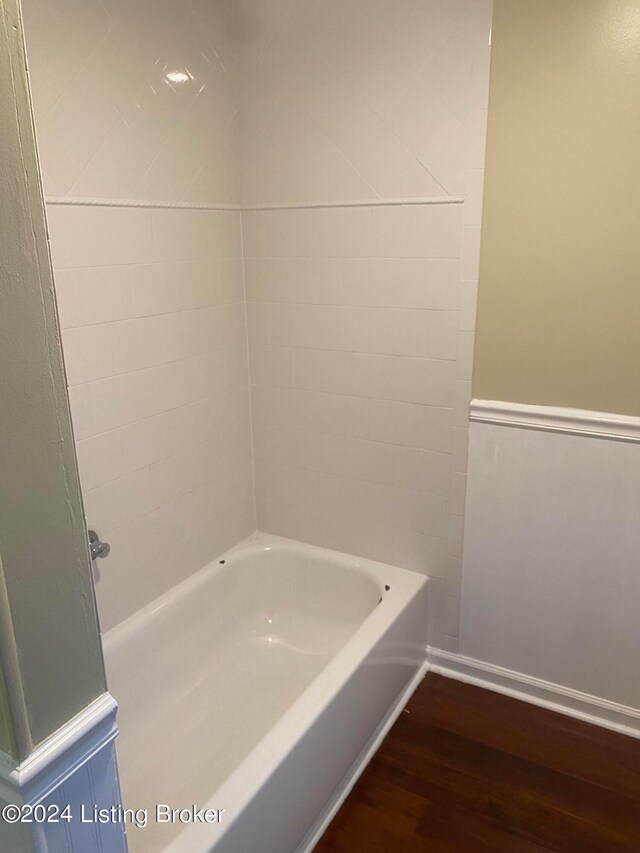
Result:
264,222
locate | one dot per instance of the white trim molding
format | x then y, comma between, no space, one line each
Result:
302,205
72,772
556,419
536,691
361,202
133,202
60,755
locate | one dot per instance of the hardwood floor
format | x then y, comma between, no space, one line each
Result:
464,769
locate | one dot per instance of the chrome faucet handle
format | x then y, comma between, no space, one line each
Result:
96,547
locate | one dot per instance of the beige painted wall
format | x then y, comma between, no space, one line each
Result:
47,604
559,301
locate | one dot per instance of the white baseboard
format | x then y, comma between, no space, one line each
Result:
563,700
358,767
526,688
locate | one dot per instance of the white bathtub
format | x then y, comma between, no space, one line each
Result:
260,686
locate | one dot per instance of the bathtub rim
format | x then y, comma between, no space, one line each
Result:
255,543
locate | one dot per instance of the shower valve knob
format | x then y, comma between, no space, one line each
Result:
96,547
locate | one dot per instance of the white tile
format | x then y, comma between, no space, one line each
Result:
264,407
297,138
170,287
411,425
230,279
360,319
419,333
94,352
393,422
120,501
470,269
370,375
253,241
422,470
75,235
276,514
301,409
348,328
420,231
68,140
419,283
422,513
123,399
477,138
91,295
125,236
468,305
436,428
284,407
271,366
419,553
321,370
290,233
275,445
474,186
258,323
191,235
464,359
293,325
462,403
365,460
119,400
169,337
234,368
229,324
420,381
268,279
81,411
188,470
343,415
320,281
343,232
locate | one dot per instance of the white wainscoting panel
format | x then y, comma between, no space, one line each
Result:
75,768
551,570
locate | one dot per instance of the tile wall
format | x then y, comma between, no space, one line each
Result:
361,316
137,102
360,372
151,305
365,99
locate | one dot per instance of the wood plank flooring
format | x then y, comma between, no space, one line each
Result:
465,769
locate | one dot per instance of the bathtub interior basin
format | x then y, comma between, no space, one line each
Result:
205,672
